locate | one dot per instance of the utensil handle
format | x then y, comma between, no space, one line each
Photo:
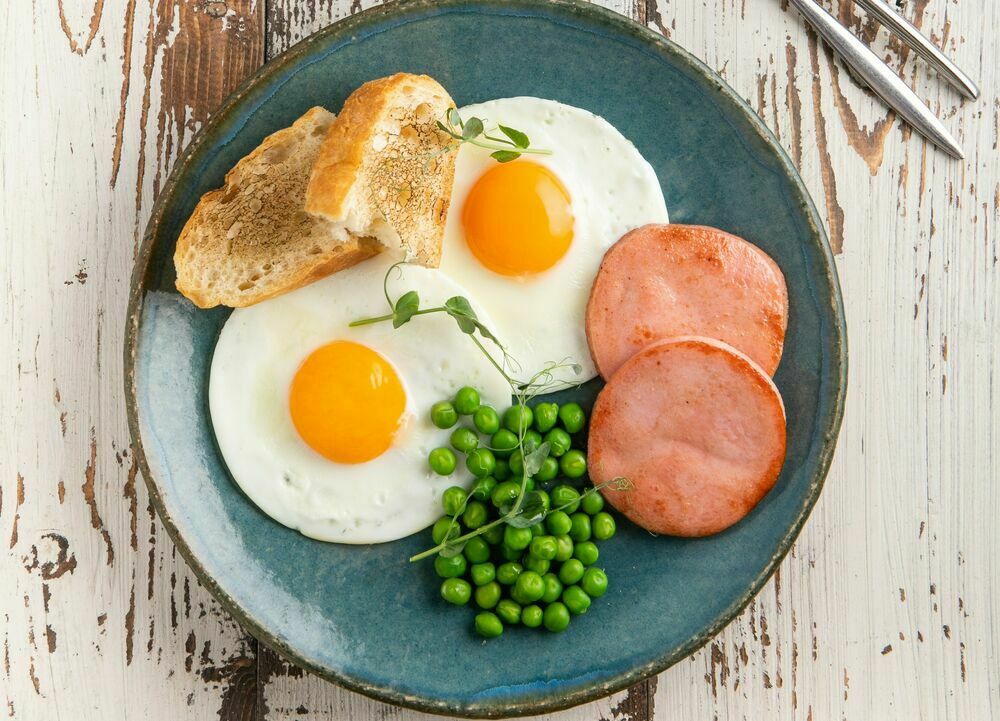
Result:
921,46
879,77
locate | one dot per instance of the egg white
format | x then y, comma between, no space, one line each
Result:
257,355
540,318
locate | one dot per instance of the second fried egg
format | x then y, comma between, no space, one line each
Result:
526,237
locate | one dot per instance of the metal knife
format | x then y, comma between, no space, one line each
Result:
882,80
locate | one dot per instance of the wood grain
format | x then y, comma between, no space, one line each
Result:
101,619
886,606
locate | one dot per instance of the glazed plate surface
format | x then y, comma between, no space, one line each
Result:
363,616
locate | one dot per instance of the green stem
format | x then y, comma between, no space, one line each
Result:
490,358
369,321
450,542
511,148
390,316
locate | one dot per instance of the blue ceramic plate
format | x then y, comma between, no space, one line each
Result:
363,616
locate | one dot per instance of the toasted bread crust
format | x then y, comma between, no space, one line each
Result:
250,239
350,253
349,176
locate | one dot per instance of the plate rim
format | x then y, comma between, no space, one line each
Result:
619,681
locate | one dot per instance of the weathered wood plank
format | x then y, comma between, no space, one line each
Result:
101,619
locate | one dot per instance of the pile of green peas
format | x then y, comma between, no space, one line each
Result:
539,576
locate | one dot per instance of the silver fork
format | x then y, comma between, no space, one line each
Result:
882,80
923,47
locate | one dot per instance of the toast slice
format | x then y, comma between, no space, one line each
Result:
384,170
251,239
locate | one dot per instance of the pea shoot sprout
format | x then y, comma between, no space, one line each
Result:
528,507
473,131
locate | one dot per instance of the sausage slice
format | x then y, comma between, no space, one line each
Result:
661,281
699,430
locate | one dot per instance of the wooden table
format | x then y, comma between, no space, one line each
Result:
887,606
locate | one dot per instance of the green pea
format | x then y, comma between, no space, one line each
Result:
566,498
481,462
516,462
517,419
502,471
558,522
531,616
576,600
592,502
476,550
538,565
546,415
573,464
581,527
488,595
594,582
441,527
443,414
564,548
482,488
475,515
509,612
546,502
556,617
505,493
451,566
553,588
543,547
559,442
537,530
456,590
488,625
532,439
503,443
442,461
571,572
528,587
482,573
517,538
453,500
604,526
572,416
464,439
586,552
508,572
467,401
548,470
510,554
486,420
494,535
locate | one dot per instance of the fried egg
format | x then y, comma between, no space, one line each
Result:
327,428
527,236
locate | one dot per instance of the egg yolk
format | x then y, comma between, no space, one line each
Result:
347,402
518,219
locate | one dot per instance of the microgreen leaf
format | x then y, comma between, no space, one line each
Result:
452,549
460,309
534,459
510,147
531,512
448,130
505,156
473,128
517,137
406,306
